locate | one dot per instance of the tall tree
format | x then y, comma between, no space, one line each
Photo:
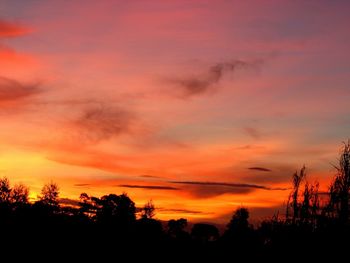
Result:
310,205
148,210
115,209
50,195
239,223
340,187
5,190
293,200
176,228
19,194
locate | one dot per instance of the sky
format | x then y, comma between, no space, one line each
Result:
200,106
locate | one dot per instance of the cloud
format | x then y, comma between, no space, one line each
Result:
181,211
197,85
256,214
81,185
234,185
251,147
280,174
8,29
149,176
12,90
252,132
98,123
149,187
260,169
69,202
201,189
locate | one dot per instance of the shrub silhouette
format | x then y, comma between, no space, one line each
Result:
106,224
340,187
148,210
204,232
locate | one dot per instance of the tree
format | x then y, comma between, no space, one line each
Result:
115,209
125,212
239,223
148,210
204,232
19,194
310,204
87,206
50,195
149,228
176,228
239,232
5,190
293,199
340,187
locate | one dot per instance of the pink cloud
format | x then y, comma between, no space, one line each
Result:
8,29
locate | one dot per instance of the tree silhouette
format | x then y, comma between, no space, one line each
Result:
148,210
5,190
87,207
50,195
113,209
310,204
126,210
19,194
204,232
238,227
293,199
340,187
149,228
176,228
109,222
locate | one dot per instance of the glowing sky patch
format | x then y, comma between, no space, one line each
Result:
111,96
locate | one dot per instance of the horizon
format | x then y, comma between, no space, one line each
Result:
201,107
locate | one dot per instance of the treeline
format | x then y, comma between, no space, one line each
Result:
313,220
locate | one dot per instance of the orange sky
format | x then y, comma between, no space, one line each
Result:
201,106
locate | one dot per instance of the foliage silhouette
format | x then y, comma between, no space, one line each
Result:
204,232
102,225
148,210
340,187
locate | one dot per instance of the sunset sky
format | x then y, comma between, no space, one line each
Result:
201,106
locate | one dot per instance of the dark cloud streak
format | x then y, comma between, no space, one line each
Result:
68,201
196,85
8,29
234,185
149,176
149,187
100,122
252,132
12,90
181,211
82,185
260,169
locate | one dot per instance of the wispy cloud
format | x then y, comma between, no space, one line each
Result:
149,176
81,185
253,132
196,85
149,187
68,201
12,90
234,185
181,211
8,29
101,122
204,189
260,169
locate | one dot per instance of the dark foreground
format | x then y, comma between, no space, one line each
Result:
147,240
111,228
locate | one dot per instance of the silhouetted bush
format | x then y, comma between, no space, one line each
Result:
108,225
